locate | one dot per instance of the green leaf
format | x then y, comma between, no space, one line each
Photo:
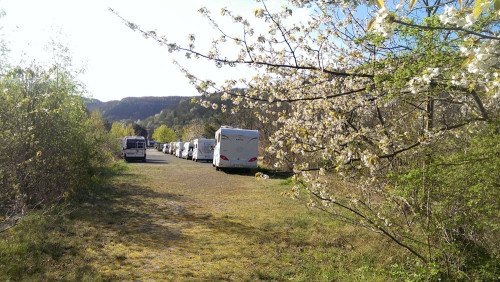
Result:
497,5
412,3
477,7
468,60
370,24
380,3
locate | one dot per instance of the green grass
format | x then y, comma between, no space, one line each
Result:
150,223
42,248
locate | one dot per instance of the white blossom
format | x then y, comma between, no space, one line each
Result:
382,24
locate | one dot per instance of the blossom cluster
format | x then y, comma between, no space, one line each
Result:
383,25
452,15
483,57
424,79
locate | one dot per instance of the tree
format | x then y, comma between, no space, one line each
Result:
164,134
193,131
139,130
129,130
384,105
118,130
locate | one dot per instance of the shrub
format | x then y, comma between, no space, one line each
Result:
50,144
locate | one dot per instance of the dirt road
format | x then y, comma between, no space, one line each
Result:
172,218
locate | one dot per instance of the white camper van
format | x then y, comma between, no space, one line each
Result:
134,147
203,149
179,146
187,151
236,148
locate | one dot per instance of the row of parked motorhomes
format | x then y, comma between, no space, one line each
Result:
231,148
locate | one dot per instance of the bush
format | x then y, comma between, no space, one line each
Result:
456,192
50,144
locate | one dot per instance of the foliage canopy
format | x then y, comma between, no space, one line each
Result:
164,134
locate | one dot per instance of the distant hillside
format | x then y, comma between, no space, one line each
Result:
133,108
186,113
176,112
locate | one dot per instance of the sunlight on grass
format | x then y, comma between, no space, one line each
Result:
157,222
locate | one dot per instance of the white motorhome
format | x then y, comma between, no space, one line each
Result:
235,148
179,146
187,151
171,149
166,147
203,149
134,147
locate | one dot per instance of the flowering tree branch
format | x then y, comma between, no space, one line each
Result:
423,27
372,223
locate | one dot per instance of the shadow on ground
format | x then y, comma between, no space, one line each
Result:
132,214
273,174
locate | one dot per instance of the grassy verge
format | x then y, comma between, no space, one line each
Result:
152,222
48,244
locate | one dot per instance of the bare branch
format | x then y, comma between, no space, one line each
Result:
162,42
282,33
372,223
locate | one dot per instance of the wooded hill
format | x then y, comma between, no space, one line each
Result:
133,108
186,114
178,113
